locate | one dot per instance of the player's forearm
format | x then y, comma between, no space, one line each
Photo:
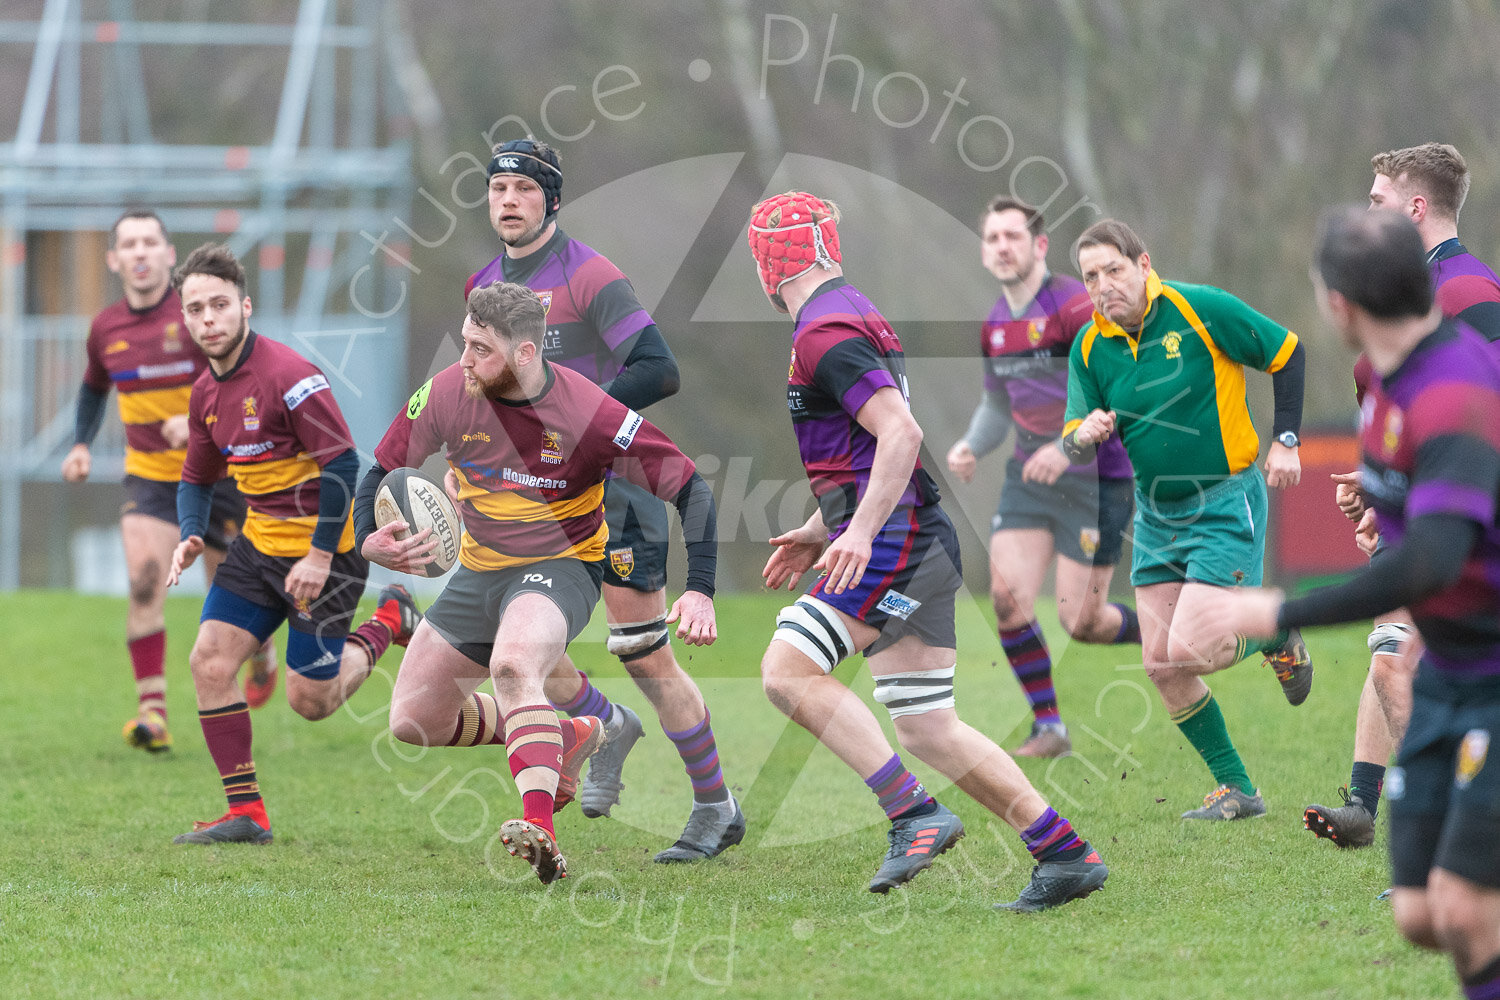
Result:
1287,384
364,505
648,373
1429,559
700,533
335,497
90,414
194,502
989,425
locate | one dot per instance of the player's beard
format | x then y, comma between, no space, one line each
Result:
233,345
529,237
504,384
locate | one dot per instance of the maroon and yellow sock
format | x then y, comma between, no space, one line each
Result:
227,732
148,657
478,723
374,637
533,746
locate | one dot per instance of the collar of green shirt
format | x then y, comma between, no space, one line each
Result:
1110,328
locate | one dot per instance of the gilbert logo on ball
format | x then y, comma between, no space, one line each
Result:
407,495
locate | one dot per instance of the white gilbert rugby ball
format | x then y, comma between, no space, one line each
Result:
407,495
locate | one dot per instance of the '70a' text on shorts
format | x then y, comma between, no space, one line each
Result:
467,613
910,584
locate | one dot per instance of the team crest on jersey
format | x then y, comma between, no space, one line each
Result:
546,298
171,340
1471,754
551,448
622,561
252,419
1088,541
1391,439
1033,335
1173,343
791,368
117,347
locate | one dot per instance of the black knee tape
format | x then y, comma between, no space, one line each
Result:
638,654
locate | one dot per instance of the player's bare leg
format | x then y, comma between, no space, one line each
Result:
672,693
1019,559
1392,676
148,544
825,707
530,639
1456,916
1189,701
1083,604
260,679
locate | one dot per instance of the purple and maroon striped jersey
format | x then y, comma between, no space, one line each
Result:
843,352
273,423
592,309
1430,444
531,473
150,359
1026,359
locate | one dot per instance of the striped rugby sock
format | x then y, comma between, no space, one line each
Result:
1027,652
1051,838
148,655
227,732
533,746
588,701
898,789
700,755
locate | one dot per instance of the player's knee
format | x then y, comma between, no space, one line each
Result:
1414,918
209,663
1008,610
1459,923
1389,638
1080,621
312,705
920,703
634,641
926,734
816,631
147,581
405,728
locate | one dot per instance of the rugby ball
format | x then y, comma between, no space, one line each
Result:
407,495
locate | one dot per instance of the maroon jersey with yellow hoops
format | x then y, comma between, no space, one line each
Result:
531,472
148,357
273,423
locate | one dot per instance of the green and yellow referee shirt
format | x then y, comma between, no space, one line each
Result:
1177,386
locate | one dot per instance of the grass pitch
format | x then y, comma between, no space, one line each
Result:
385,879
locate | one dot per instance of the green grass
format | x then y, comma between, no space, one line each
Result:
384,882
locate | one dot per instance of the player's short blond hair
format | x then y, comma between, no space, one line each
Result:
1435,169
513,311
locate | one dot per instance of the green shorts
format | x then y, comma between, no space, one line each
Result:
1217,536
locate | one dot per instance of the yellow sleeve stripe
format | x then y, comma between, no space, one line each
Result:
1287,347
1071,426
154,405
257,478
160,466
510,506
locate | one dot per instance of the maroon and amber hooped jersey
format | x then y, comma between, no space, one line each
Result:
150,359
1430,442
531,473
843,352
273,423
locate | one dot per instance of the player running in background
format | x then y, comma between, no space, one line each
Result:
889,562
597,327
138,346
1163,366
1430,468
530,443
268,416
1427,184
1048,506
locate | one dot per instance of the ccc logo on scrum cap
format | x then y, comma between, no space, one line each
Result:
509,163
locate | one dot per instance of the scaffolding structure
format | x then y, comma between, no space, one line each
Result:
300,204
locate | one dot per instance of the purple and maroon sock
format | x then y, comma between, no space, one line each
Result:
700,755
588,701
1051,838
898,789
1027,652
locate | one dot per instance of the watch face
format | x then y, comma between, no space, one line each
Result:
1289,439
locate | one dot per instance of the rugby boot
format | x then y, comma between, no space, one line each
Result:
1047,739
1228,802
712,828
1294,668
1054,883
230,828
1349,825
536,847
398,612
148,731
915,841
587,737
601,787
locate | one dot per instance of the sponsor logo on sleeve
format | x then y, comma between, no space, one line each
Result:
418,401
628,428
298,394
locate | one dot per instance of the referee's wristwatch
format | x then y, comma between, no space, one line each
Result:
1289,439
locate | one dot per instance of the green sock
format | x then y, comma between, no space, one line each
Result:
1203,725
1244,647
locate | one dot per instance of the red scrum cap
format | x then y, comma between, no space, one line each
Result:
789,235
